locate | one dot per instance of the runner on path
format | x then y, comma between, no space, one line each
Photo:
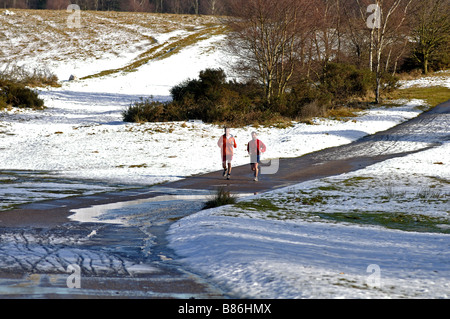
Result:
255,147
226,144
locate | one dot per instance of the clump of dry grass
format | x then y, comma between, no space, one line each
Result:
46,34
222,197
35,77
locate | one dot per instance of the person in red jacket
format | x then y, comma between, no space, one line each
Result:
255,147
227,143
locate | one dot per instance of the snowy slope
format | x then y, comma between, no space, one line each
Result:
328,250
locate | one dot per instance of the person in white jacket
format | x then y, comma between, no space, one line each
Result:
255,148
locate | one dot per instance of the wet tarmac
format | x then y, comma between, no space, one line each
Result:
123,253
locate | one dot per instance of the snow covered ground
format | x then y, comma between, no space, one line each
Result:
379,232
311,240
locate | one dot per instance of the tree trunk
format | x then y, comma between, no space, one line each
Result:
377,90
371,50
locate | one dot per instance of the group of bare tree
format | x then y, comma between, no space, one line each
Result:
279,41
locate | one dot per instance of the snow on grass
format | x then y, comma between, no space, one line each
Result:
440,78
324,238
37,38
256,258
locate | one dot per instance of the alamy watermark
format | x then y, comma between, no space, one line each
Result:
74,19
274,165
74,280
374,279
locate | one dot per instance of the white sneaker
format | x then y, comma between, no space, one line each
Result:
255,179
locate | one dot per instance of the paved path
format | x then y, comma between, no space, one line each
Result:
37,229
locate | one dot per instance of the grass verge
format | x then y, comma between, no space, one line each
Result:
392,220
432,95
358,200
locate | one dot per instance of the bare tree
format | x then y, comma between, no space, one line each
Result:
195,5
213,7
392,17
266,39
159,5
379,28
432,30
325,30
